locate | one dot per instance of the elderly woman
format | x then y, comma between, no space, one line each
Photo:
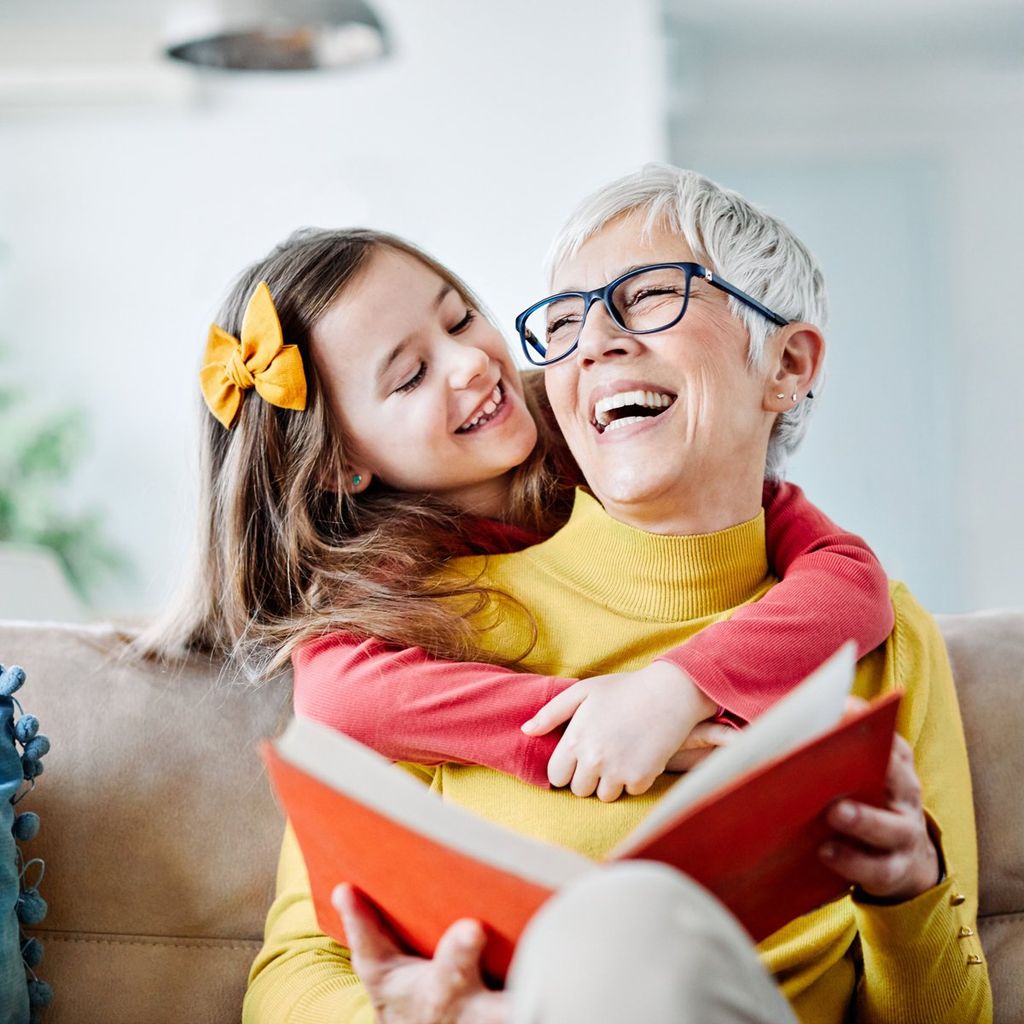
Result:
667,285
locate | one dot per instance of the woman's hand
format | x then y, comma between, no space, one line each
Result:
891,855
410,989
624,729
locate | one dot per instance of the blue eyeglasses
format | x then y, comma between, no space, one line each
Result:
643,301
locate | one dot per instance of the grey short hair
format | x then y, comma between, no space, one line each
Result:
748,247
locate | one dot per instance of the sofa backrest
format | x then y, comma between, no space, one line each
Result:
986,650
161,834
159,830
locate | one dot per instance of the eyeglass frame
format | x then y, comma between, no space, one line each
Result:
603,295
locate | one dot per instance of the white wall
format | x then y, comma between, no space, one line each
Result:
900,160
124,225
888,142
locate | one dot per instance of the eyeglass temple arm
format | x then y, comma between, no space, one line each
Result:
731,289
738,293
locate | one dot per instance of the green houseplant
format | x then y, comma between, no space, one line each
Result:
37,456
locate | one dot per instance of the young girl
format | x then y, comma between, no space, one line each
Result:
366,424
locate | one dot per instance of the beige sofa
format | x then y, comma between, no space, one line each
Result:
161,835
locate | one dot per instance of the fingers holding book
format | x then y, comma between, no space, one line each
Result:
408,989
888,851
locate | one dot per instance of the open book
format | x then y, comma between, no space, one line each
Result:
746,823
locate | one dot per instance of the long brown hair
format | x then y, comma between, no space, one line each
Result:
284,552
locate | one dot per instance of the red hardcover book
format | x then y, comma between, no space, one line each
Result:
746,824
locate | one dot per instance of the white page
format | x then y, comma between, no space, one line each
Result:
348,767
812,708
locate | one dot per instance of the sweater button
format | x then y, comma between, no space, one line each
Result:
965,932
956,899
973,960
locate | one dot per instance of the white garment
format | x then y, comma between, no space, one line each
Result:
638,941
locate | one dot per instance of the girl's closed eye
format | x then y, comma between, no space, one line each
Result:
414,381
464,322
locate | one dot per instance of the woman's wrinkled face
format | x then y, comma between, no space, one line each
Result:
422,385
700,430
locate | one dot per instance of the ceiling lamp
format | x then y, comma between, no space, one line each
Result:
278,35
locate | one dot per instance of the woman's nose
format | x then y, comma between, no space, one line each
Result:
602,338
467,363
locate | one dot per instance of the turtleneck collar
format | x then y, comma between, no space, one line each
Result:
652,576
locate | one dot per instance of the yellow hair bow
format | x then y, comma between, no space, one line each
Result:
260,360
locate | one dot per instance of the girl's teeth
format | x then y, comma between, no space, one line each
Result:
489,407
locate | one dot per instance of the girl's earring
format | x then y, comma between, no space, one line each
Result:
357,480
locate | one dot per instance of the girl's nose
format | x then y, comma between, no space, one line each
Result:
467,363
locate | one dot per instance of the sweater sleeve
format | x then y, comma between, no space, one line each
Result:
301,976
923,960
410,707
833,589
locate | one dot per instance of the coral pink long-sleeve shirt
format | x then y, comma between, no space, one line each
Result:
411,707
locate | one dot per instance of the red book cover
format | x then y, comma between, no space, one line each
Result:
755,844
343,840
744,824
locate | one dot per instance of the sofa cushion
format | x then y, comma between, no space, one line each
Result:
986,650
158,826
163,835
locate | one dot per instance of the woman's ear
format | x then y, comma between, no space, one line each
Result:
797,356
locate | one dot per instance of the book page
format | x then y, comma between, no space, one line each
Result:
812,708
348,767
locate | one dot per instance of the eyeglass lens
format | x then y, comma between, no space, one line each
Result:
645,302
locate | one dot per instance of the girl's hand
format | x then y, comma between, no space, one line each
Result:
704,738
624,728
411,989
890,855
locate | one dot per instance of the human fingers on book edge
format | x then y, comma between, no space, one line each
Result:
882,875
559,709
367,939
458,950
878,828
853,705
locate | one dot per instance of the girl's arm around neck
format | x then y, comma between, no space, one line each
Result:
409,706
832,589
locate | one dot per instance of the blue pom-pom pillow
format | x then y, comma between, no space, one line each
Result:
22,994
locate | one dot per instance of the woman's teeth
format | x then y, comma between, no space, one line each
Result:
487,410
624,422
606,411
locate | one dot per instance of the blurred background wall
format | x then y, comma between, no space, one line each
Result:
888,135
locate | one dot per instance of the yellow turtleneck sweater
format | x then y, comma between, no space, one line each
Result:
607,598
